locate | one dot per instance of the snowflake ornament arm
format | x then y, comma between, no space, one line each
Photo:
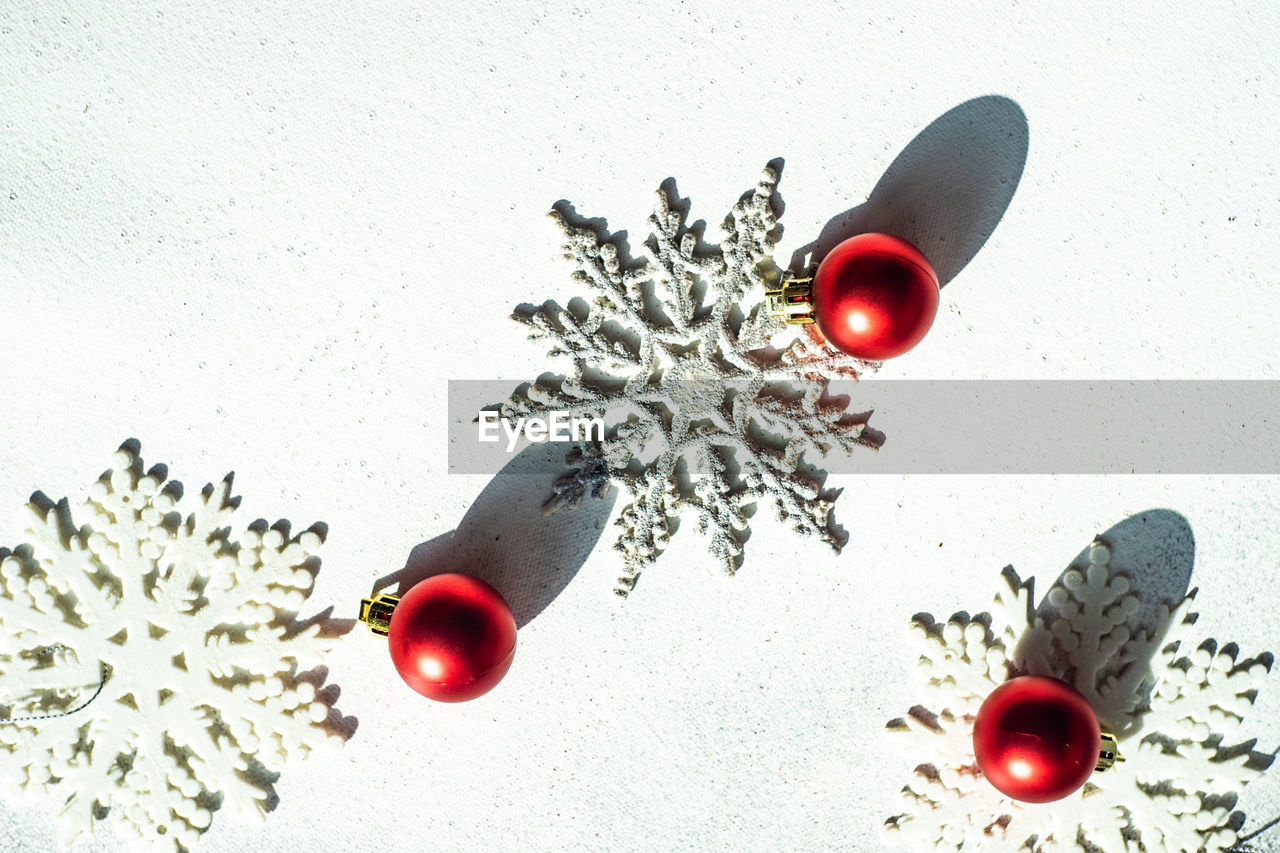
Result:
210,684
671,353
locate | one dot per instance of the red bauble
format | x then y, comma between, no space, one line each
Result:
1036,739
874,296
452,637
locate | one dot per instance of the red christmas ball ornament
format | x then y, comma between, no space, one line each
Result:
873,297
1037,739
452,637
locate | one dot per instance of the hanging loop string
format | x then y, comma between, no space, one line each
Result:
106,672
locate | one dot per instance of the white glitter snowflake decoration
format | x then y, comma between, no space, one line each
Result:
675,354
1174,701
152,669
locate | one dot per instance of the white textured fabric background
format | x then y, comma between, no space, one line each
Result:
262,238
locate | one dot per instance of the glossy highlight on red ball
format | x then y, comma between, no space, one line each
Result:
875,296
452,637
1036,739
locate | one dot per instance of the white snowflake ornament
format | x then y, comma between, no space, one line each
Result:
1174,702
708,412
152,668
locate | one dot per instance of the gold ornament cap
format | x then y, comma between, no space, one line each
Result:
376,612
1108,753
792,301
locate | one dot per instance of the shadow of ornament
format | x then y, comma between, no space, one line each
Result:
506,539
154,669
945,192
1175,700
